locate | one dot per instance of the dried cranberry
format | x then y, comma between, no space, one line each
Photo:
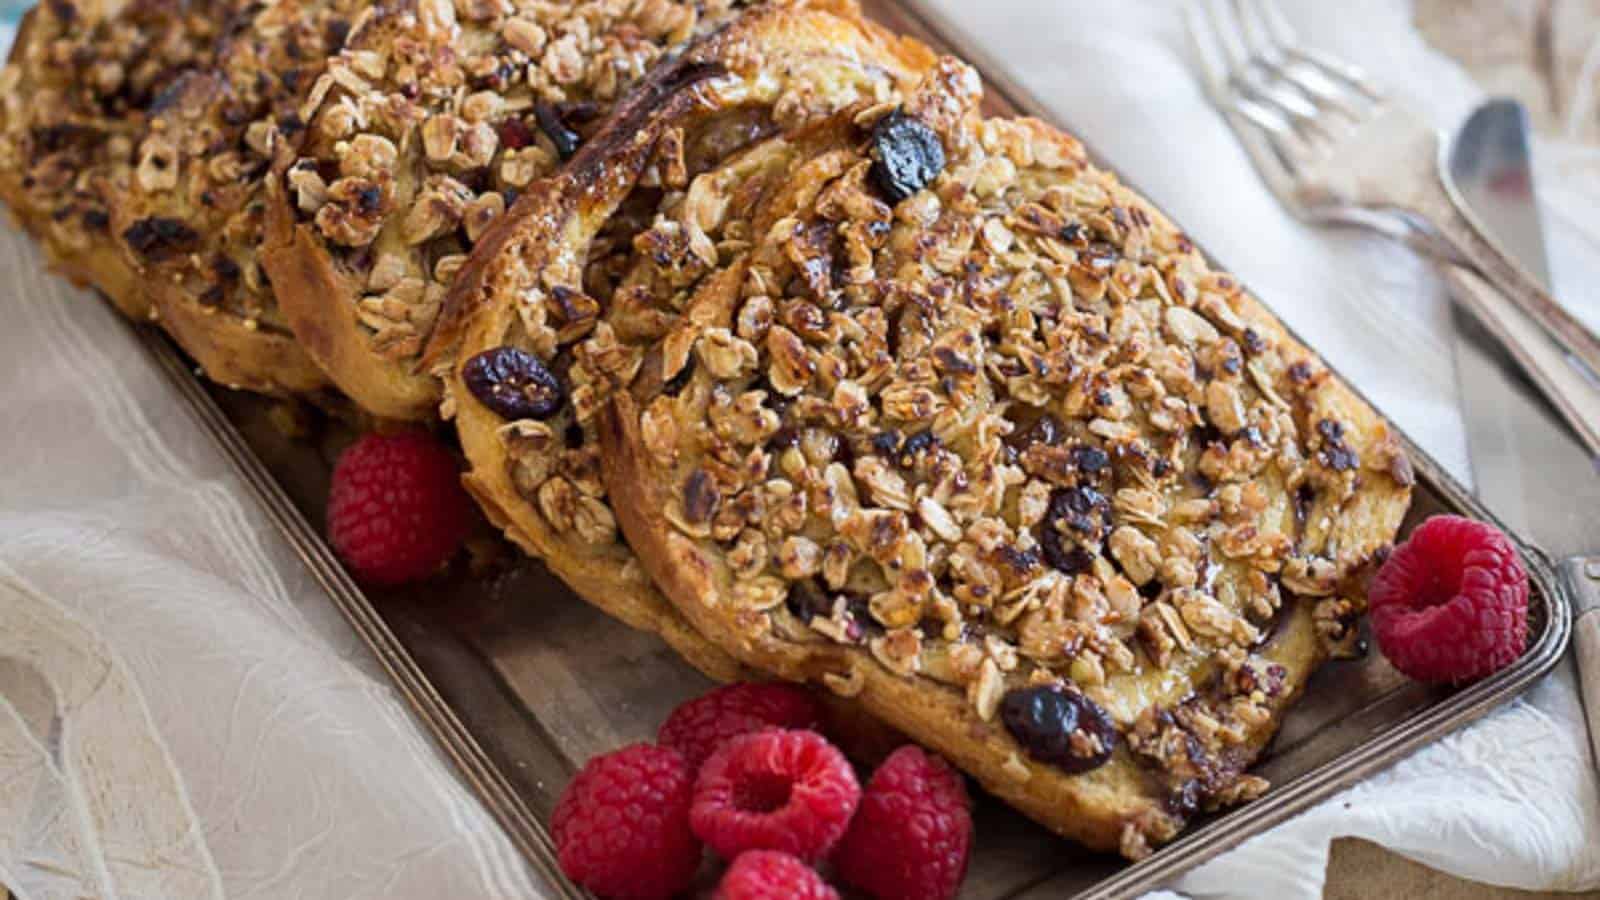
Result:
514,383
906,156
1060,726
515,134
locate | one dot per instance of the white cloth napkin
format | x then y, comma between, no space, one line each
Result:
182,713
1512,800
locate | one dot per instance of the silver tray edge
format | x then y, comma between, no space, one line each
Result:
530,837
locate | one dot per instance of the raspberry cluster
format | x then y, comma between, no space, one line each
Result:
743,771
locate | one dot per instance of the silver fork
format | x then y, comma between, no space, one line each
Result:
1335,147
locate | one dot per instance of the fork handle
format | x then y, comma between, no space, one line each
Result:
1470,245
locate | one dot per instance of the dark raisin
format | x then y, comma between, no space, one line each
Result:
555,128
338,30
513,383
168,96
1089,459
1084,509
1340,458
1081,510
1184,801
1304,496
862,623
700,497
1044,430
906,156
1020,562
225,268
886,443
784,439
573,436
806,601
1060,726
915,446
1074,233
1253,342
369,199
157,237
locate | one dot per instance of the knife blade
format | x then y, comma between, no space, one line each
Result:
1527,465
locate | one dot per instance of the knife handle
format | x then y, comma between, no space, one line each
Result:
1583,576
1461,233
1557,375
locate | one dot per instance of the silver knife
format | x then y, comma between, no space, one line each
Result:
1531,470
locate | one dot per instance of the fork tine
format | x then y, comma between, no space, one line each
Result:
1283,35
1272,143
1320,88
1214,66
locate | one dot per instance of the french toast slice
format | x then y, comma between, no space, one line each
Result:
531,281
193,215
963,428
427,127
73,99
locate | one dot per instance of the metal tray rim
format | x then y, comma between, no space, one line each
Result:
528,834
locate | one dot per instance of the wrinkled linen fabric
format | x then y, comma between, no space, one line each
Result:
184,714
1511,800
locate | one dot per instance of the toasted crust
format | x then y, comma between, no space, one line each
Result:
192,216
361,254
66,132
1097,809
566,211
949,595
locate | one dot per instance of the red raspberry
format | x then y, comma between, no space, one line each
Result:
699,727
910,838
775,790
397,511
622,826
770,875
1451,603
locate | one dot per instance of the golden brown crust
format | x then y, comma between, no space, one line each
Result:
460,104
1094,810
192,213
1175,536
75,87
566,211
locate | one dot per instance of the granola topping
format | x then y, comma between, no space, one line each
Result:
422,131
1007,431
